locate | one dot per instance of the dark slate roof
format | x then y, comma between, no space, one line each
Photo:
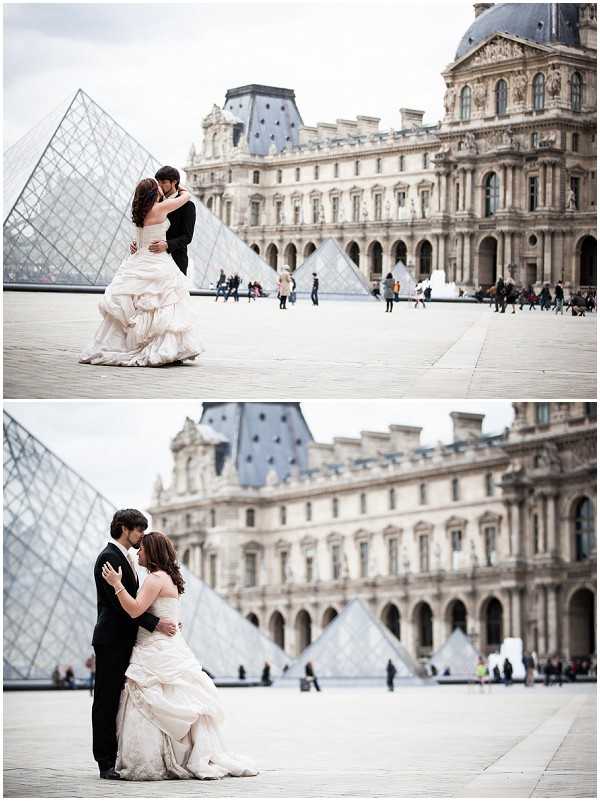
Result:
531,21
262,437
269,114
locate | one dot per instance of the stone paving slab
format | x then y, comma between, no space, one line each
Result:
340,349
417,742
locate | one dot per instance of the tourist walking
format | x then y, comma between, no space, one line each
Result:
419,290
529,665
266,675
391,672
512,295
90,664
481,673
388,292
500,296
242,673
309,672
293,291
314,295
285,286
221,285
507,669
545,298
396,291
427,293
559,296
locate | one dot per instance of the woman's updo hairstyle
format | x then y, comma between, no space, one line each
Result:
146,194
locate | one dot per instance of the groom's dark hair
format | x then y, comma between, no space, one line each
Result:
128,518
168,174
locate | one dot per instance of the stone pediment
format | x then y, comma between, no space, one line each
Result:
219,116
499,48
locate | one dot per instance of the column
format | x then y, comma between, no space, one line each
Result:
547,256
552,619
517,610
460,192
549,184
500,255
469,192
558,266
543,186
503,188
463,189
438,626
542,620
438,186
459,257
509,186
467,272
551,524
508,254
442,253
444,200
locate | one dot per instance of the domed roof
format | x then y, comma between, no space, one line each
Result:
531,21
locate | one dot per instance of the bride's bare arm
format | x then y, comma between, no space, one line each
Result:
133,606
170,204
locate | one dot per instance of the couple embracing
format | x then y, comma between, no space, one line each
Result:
146,309
156,713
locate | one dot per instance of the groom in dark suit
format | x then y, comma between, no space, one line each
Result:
183,220
115,634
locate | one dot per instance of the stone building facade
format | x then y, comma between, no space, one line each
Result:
495,534
504,184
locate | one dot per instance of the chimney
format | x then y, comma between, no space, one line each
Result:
481,7
466,425
405,438
374,442
410,117
319,453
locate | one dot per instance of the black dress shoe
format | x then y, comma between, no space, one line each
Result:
111,773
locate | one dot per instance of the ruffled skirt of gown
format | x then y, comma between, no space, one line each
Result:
148,316
169,717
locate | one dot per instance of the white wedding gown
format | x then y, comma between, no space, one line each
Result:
148,318
169,715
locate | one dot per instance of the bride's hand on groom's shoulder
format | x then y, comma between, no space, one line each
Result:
110,575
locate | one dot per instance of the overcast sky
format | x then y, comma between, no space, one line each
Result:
120,446
159,68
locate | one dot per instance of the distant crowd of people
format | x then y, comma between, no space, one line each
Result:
506,293
229,287
554,670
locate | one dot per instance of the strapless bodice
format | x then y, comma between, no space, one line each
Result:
162,607
144,236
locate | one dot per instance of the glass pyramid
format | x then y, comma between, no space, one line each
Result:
68,190
338,276
407,282
55,524
354,649
458,654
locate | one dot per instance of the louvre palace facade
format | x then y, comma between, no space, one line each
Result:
504,184
494,534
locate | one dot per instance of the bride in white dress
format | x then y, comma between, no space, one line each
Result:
168,725
148,319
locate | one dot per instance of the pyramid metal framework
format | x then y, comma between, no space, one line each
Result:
68,189
354,649
262,437
407,282
458,654
338,276
55,524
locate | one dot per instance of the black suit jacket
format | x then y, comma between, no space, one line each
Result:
180,234
114,624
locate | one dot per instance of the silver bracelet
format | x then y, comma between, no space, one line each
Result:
118,591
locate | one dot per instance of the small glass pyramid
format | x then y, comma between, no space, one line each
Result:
55,524
407,282
338,276
67,191
354,649
457,654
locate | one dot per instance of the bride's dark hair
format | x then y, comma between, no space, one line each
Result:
146,193
160,555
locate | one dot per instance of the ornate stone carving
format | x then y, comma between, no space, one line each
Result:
480,94
469,143
519,87
450,99
554,81
497,50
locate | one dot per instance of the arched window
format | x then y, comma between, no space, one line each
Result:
250,516
189,473
392,498
214,146
501,96
576,92
335,507
492,194
255,177
538,92
465,103
493,622
584,529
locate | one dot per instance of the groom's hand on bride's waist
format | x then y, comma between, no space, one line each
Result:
158,246
132,248
166,626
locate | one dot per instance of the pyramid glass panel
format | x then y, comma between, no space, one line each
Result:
354,649
457,654
338,276
407,282
55,524
68,191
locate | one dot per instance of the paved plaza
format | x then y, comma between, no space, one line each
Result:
420,741
342,349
